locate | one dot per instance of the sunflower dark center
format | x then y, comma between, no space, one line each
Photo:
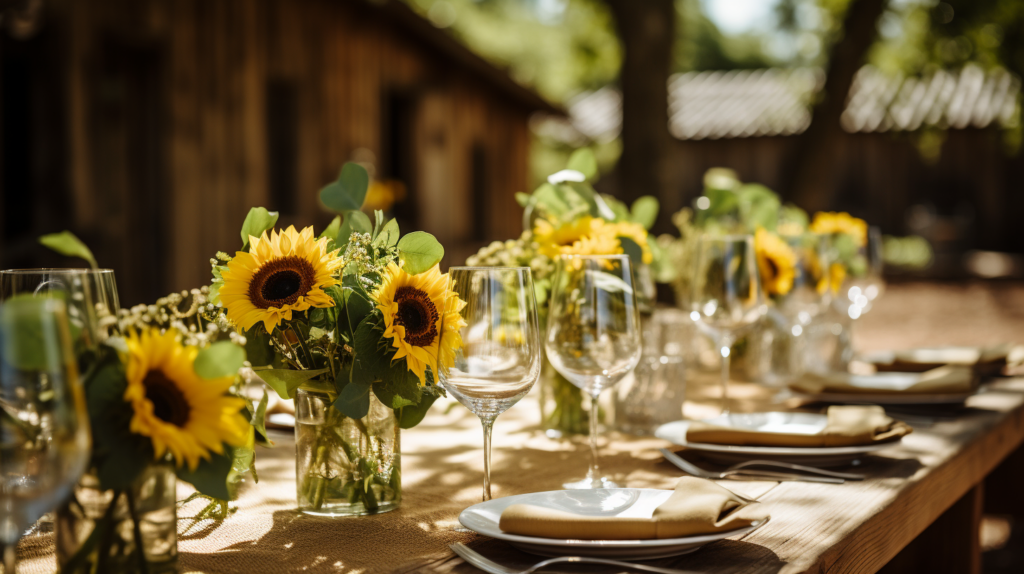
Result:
281,282
772,266
169,403
417,313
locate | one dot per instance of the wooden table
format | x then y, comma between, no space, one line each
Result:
918,511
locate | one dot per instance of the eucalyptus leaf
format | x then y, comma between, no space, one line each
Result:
221,359
354,400
331,231
419,251
412,415
66,243
633,249
210,476
388,236
645,211
349,191
258,349
285,381
584,161
256,222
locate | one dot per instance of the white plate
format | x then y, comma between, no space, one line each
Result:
802,423
483,518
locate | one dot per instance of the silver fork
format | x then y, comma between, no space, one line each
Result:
690,468
487,565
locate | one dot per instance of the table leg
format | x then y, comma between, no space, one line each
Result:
951,544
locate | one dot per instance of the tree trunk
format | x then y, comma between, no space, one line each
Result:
646,30
810,167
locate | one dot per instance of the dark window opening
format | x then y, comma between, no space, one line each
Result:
480,193
396,163
16,99
282,145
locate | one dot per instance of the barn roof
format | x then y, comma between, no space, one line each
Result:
746,103
434,38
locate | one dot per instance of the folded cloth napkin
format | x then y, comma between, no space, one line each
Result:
943,380
697,506
987,361
846,426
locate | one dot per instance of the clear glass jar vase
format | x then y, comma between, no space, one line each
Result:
345,466
104,530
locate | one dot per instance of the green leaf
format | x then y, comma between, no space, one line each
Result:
412,415
66,243
523,199
258,348
355,222
285,381
357,307
354,400
399,389
372,355
331,231
584,161
419,251
349,192
259,422
378,222
221,359
645,211
388,236
210,476
256,222
633,249
30,334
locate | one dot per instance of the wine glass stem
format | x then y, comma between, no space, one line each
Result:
725,351
10,557
594,473
488,423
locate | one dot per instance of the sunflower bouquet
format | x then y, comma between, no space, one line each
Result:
352,324
164,401
566,216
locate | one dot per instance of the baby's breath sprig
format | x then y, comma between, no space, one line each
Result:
188,312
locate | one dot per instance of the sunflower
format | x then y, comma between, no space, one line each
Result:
776,261
422,316
281,273
584,236
180,412
637,233
828,222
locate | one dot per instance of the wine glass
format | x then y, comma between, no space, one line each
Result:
863,265
500,357
593,335
44,427
862,284
90,296
796,276
726,293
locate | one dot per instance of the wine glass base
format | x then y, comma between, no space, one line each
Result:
590,483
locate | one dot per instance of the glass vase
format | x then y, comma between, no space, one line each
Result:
103,530
345,466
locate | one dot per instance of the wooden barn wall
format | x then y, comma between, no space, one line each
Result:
158,227
880,176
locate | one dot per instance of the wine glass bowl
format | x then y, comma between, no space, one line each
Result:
500,357
44,428
863,266
727,295
593,332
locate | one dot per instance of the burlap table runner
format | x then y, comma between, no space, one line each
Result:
442,466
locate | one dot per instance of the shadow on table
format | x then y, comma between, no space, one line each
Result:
721,555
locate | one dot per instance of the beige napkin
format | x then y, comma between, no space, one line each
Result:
846,426
697,506
943,380
987,361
